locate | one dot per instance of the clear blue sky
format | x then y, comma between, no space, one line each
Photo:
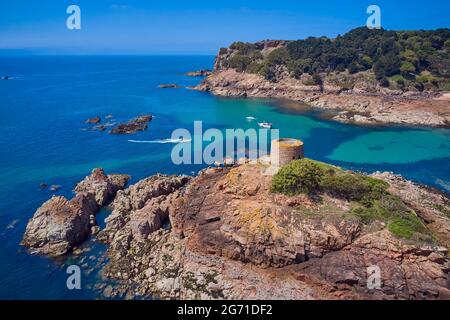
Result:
195,26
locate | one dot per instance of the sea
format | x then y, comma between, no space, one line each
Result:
44,139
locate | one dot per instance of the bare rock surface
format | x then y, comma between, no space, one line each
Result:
103,187
61,224
230,238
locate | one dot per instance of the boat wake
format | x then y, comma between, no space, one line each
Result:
161,141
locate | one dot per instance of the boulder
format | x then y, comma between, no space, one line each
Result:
134,125
143,207
102,186
199,73
168,86
59,224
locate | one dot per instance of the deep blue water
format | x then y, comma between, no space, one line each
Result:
43,138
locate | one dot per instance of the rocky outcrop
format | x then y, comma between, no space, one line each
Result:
365,105
143,207
230,238
433,206
199,73
406,271
135,125
59,224
169,86
103,187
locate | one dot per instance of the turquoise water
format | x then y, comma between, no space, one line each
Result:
43,138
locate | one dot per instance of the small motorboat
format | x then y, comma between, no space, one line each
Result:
250,118
266,125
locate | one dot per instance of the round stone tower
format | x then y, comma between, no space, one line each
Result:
284,151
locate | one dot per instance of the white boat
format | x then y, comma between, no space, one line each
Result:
266,125
250,118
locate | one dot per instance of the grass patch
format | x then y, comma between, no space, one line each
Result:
407,227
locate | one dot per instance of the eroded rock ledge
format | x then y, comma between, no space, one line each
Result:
229,237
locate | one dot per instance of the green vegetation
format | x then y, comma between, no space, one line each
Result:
300,176
369,196
406,227
386,53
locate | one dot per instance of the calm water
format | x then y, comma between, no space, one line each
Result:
43,138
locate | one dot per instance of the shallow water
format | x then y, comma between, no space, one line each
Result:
43,138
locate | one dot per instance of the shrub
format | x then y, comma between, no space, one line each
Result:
317,79
278,56
255,67
352,187
407,67
244,48
367,215
384,82
299,176
267,71
239,62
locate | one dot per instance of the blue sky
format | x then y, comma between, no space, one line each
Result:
196,26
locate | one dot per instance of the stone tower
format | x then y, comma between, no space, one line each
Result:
285,150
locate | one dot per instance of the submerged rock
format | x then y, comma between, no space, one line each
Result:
169,86
61,224
55,187
43,185
95,120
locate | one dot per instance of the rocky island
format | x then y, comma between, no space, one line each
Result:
309,232
134,125
365,76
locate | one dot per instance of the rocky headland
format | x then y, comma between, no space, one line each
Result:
350,106
225,234
344,76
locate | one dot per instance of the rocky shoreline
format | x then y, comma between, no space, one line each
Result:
224,235
357,105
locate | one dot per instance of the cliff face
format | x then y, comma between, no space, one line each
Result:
267,70
230,237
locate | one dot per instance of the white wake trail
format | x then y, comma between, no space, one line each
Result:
161,141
